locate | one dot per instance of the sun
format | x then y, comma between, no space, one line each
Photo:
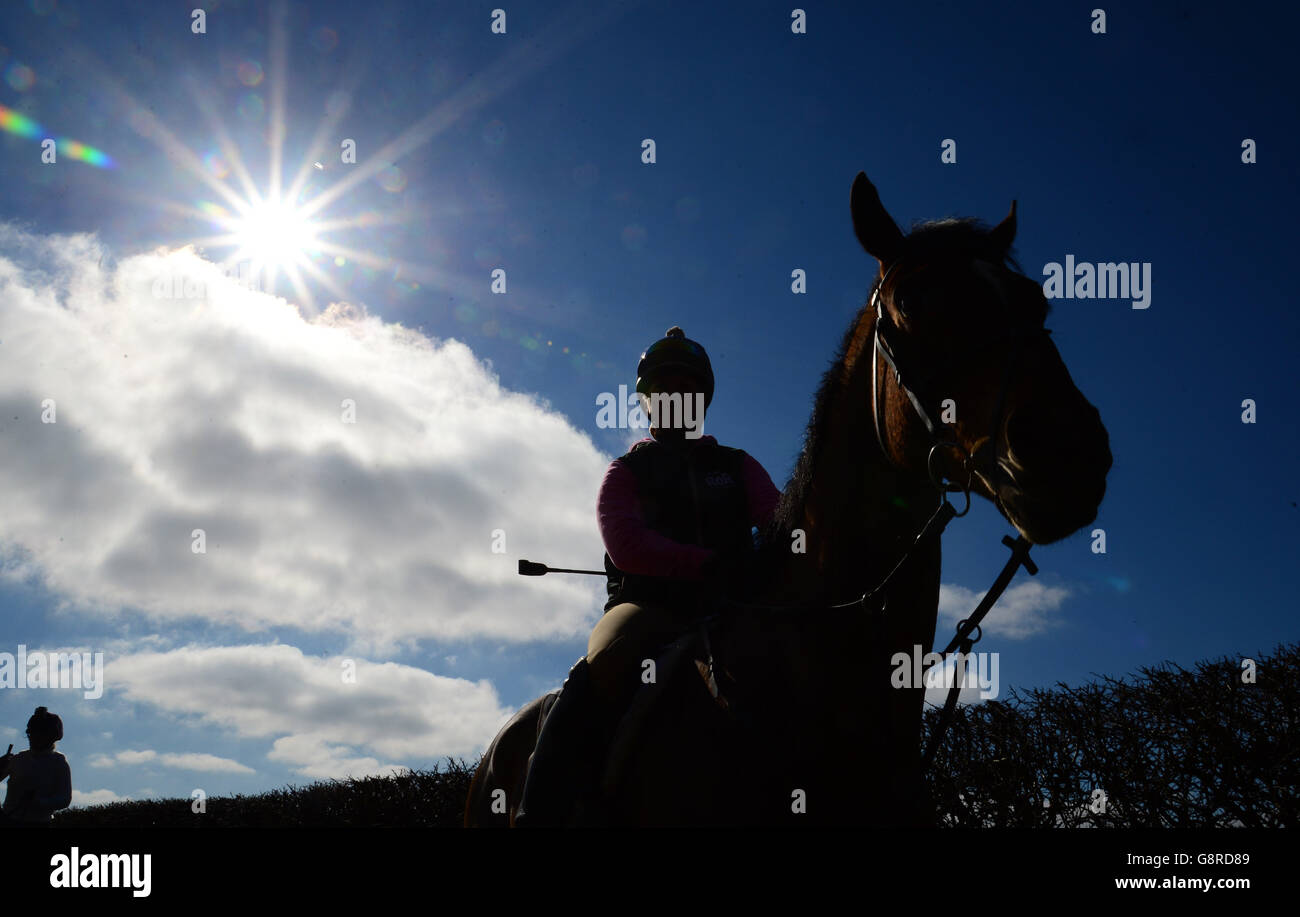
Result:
274,236
275,233
271,237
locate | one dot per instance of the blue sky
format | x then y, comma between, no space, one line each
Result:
219,408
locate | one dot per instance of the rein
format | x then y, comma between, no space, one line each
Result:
873,604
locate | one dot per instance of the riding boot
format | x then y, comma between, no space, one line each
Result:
563,784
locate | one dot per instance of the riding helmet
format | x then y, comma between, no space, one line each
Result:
675,351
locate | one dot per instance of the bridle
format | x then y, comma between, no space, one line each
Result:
984,462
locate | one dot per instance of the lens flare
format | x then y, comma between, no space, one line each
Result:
19,124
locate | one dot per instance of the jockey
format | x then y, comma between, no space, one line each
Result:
40,781
675,514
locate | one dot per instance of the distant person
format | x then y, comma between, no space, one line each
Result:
40,782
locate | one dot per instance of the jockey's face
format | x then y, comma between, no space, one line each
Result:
688,386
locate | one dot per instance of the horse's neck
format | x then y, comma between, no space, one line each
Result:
859,515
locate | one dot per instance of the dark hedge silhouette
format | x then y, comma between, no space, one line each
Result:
1170,748
420,799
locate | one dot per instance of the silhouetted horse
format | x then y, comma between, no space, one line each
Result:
950,350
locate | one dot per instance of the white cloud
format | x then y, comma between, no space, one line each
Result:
95,798
189,761
223,413
981,678
969,694
313,757
195,761
1024,610
321,725
135,757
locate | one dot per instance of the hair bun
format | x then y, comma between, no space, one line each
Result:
41,711
675,332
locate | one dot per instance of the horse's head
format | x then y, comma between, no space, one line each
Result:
963,331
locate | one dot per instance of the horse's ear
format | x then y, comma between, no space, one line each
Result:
1005,232
872,224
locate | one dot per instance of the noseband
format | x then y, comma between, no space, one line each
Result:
984,463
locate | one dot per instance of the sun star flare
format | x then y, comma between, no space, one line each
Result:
274,236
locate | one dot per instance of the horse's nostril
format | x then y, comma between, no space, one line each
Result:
1013,429
1023,434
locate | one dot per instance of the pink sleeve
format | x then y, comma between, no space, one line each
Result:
633,546
760,491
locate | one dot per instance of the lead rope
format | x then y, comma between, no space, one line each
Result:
1019,558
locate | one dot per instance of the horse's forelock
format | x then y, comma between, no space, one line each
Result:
957,236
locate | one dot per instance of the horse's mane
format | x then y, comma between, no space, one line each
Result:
934,237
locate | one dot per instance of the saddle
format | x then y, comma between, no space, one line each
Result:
586,767
690,655
676,657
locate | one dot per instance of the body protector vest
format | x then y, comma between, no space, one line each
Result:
693,495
